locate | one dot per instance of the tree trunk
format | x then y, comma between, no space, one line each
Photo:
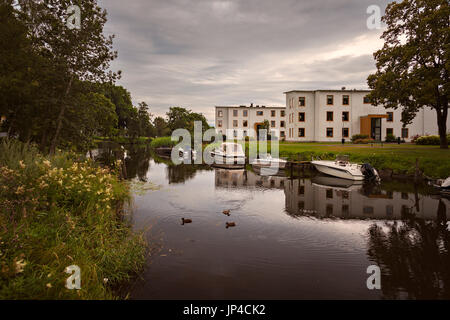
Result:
60,118
442,126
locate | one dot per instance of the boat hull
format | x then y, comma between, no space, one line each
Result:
337,172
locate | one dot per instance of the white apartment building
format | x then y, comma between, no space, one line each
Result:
241,121
324,116
330,115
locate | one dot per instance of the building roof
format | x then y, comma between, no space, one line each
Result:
329,90
249,107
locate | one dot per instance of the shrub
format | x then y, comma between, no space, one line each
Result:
362,141
359,137
414,138
428,140
391,138
56,212
163,142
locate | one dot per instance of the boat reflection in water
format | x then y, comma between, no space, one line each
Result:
407,235
329,197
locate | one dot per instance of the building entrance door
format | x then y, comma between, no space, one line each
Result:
375,129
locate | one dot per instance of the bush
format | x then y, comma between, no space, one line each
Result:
163,142
391,138
362,141
56,212
429,140
359,137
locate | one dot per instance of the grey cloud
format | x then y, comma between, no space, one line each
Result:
200,53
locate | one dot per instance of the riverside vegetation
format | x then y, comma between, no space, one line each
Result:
57,211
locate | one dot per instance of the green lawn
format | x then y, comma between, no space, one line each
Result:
433,161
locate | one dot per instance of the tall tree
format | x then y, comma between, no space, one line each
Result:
80,53
413,67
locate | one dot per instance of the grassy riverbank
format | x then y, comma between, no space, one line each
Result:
56,212
434,162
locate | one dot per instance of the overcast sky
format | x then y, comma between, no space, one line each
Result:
201,53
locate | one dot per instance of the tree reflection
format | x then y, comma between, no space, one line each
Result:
413,255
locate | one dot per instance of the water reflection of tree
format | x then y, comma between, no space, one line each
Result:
413,255
183,172
137,162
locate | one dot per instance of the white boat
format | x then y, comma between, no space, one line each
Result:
229,155
185,154
268,161
344,169
267,165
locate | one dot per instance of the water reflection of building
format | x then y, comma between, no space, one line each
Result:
246,179
307,197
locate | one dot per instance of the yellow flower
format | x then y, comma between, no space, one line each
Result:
20,265
49,285
22,165
46,163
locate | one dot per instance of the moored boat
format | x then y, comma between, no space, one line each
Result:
229,155
342,168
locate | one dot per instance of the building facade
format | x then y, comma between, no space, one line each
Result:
326,116
241,121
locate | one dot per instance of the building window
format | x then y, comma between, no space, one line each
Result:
345,100
389,131
282,124
330,99
235,123
245,133
245,123
404,132
329,115
301,190
272,124
301,116
273,113
219,123
345,194
389,210
366,99
390,117
345,116
301,132
367,210
220,113
301,101
345,209
329,209
245,113
282,113
405,196
235,113
282,134
329,132
329,193
344,132
259,113
235,133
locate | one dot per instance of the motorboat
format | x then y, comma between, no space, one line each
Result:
229,155
187,153
267,165
336,183
268,161
342,168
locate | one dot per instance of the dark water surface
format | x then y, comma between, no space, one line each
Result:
309,238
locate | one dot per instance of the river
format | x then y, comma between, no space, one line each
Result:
300,238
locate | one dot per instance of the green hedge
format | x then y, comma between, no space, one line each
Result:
430,140
162,142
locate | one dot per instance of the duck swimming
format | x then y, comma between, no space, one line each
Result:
183,221
226,212
230,224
